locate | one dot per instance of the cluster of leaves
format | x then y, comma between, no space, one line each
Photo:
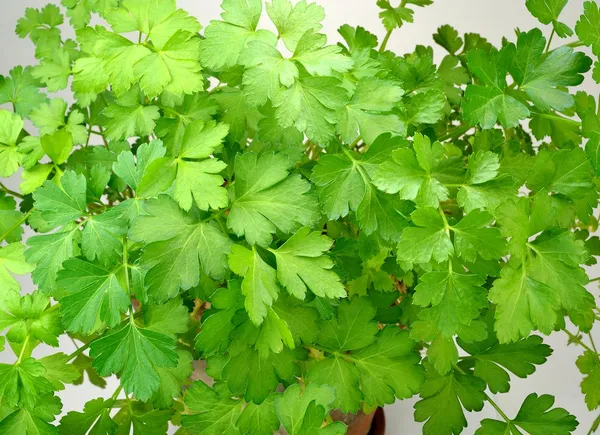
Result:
353,225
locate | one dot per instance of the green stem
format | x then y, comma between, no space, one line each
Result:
550,40
10,192
385,41
555,117
80,350
22,353
488,398
16,225
443,215
126,266
354,143
454,133
116,393
578,341
595,279
595,425
592,342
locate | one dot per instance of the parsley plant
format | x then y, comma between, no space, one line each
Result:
353,225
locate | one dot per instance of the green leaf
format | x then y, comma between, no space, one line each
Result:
588,26
535,417
454,299
23,384
443,399
48,251
10,219
225,40
30,315
566,172
129,118
54,71
344,185
21,90
484,187
159,20
11,125
172,381
382,365
12,261
41,25
302,411
473,237
489,101
174,254
143,419
254,378
95,418
430,239
313,106
58,370
51,118
523,304
547,12
208,413
259,419
135,353
92,296
368,114
292,22
540,76
132,170
492,360
301,265
268,199
61,205
352,328
34,420
589,365
319,59
414,174
259,286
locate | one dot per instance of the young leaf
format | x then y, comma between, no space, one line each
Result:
535,417
136,354
175,254
269,198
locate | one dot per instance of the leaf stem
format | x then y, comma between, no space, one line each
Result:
594,279
550,40
80,350
10,192
385,41
592,342
16,225
578,341
455,132
555,117
22,353
488,398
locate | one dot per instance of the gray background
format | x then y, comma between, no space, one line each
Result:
493,19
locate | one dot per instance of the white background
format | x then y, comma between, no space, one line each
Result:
493,19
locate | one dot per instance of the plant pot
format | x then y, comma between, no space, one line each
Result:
361,423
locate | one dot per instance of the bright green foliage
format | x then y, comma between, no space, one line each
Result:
267,198
366,373
136,354
320,227
443,399
174,255
547,12
589,365
535,417
302,412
